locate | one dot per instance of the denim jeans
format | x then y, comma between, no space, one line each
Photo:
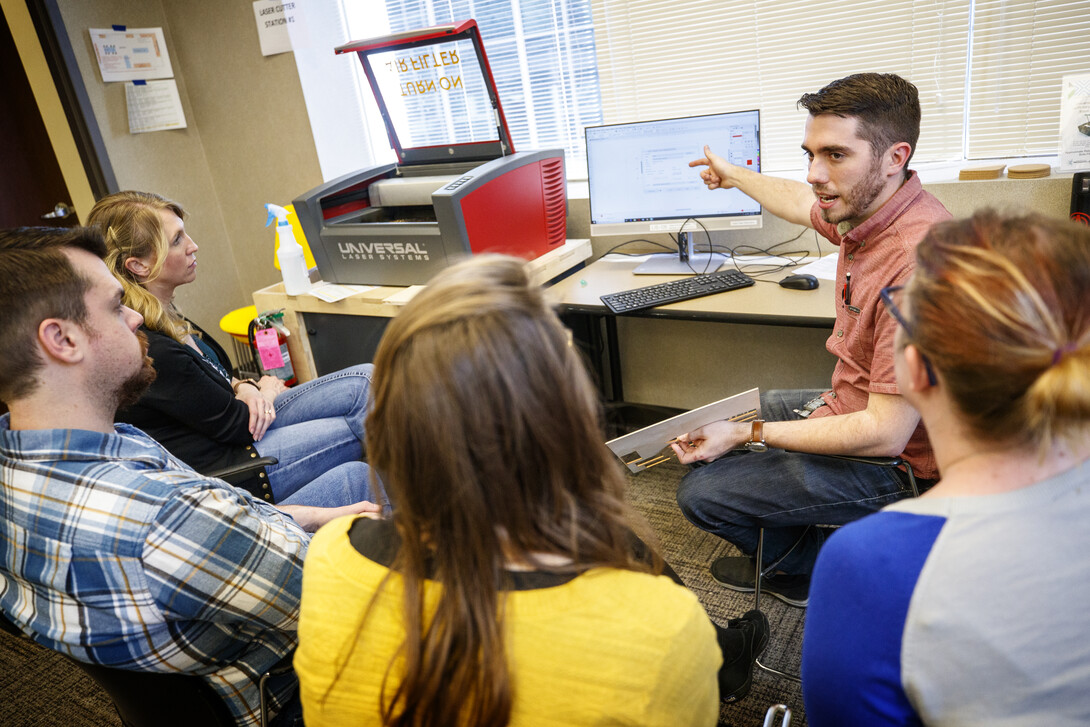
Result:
318,438
785,493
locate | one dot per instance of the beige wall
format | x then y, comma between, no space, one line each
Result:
248,138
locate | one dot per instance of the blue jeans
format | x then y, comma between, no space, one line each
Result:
318,438
785,493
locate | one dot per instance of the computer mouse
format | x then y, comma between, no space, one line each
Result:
800,282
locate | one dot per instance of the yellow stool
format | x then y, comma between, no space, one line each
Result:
237,324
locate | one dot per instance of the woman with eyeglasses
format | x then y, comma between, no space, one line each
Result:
506,588
968,605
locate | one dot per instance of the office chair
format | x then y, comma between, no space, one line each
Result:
238,473
877,461
249,475
157,699
781,710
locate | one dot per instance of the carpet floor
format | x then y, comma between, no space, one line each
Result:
38,688
690,551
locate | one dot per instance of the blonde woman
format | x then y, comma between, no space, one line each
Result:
967,606
195,409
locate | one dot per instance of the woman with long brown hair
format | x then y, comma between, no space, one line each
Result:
506,589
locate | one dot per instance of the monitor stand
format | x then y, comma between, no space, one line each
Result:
686,262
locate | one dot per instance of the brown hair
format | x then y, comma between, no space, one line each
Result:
485,430
37,281
1000,306
887,106
132,227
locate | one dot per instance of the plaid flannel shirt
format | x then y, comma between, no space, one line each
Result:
116,553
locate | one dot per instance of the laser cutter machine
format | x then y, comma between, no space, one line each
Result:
458,186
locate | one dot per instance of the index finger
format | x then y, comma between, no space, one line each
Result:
262,427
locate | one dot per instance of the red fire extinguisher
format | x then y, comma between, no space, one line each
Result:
269,337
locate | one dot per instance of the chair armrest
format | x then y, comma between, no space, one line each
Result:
879,461
239,472
284,666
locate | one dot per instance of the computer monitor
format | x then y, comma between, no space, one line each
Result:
641,183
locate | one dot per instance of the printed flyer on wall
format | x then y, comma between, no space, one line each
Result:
133,54
1075,123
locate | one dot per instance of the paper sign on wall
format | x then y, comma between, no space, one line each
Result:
273,18
154,106
135,54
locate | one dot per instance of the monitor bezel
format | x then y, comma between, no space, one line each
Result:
672,225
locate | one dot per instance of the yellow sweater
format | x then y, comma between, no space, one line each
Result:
608,647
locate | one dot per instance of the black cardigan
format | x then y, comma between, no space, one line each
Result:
191,410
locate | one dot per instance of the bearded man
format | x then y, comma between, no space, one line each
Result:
860,134
111,550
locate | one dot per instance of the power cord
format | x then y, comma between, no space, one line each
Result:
761,271
757,271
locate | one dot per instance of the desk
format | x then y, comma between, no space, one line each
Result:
357,322
765,304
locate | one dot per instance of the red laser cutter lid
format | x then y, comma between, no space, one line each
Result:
436,94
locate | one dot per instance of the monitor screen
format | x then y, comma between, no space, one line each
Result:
640,180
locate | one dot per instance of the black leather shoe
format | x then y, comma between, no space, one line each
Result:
741,641
736,573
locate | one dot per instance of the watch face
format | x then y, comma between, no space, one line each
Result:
756,446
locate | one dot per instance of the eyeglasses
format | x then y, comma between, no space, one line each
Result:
887,299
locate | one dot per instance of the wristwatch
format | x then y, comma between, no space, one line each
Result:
252,382
756,441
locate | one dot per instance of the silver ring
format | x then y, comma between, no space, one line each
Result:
268,411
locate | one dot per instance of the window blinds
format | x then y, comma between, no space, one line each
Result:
1021,51
988,72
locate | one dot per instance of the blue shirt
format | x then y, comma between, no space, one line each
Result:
955,611
114,552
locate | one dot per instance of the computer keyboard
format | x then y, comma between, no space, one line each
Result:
696,286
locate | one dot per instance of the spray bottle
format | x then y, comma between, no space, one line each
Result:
293,264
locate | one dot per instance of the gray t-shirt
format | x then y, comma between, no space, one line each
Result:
956,611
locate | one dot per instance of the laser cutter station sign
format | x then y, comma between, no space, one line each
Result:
273,18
